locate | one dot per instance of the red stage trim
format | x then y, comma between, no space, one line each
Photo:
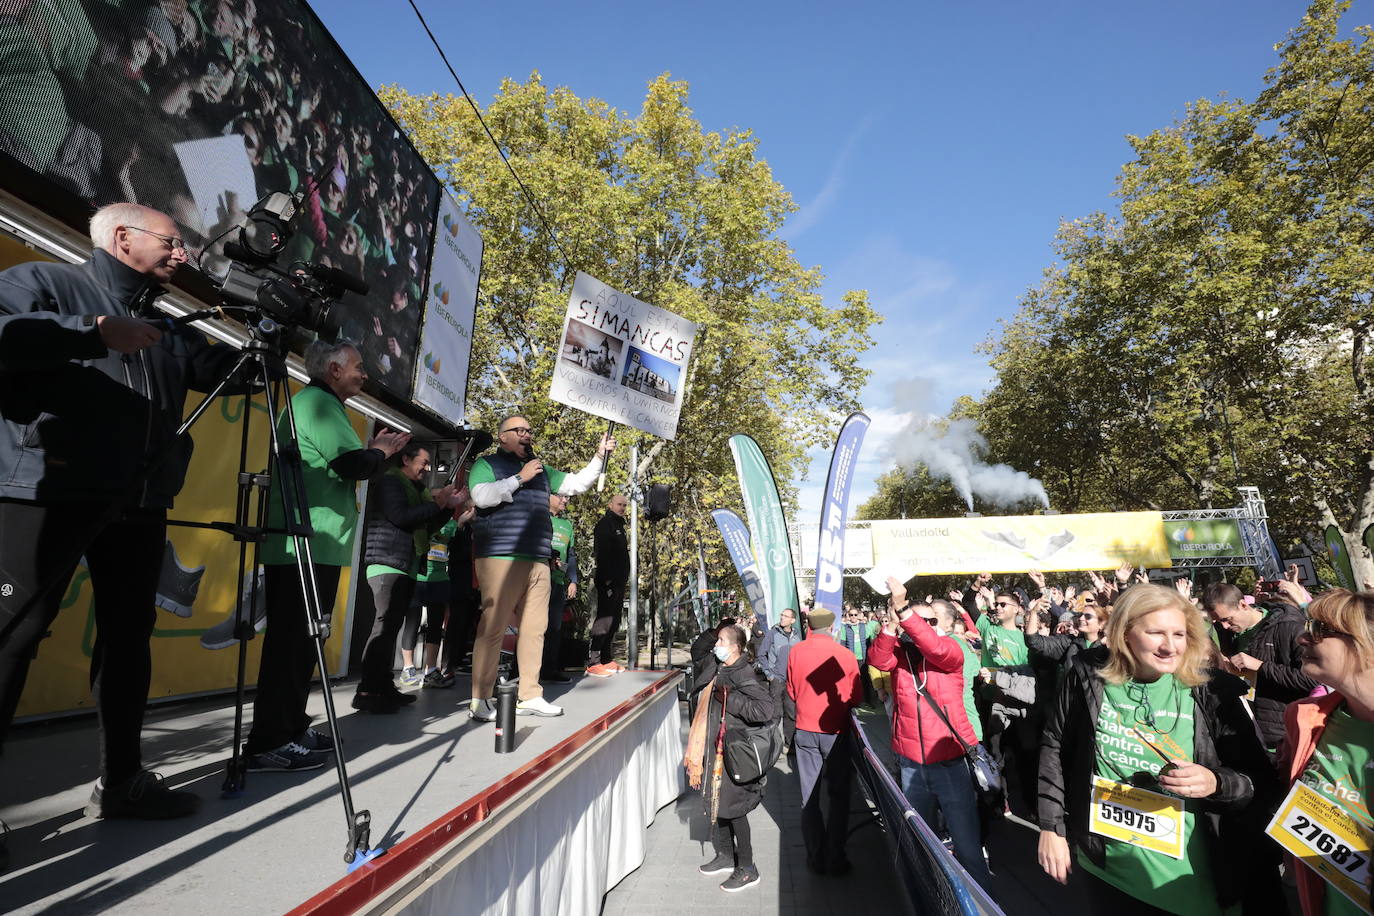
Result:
352,892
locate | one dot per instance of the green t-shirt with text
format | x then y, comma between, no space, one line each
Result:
1162,713
1339,772
562,540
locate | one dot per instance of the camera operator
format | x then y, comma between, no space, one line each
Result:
333,461
91,395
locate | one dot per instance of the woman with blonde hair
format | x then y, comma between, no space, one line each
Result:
1143,752
1329,748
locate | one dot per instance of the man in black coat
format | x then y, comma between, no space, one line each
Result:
611,553
90,390
1260,642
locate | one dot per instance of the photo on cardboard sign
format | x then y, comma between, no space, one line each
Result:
651,375
590,349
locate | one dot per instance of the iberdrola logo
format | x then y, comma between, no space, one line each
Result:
1184,535
431,363
441,292
450,224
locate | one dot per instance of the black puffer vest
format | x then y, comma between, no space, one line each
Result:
522,527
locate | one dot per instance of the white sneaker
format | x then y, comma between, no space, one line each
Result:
537,707
482,710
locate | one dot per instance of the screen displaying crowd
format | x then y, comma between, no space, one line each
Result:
199,108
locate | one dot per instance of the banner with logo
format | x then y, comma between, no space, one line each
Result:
1340,557
1219,537
736,538
834,510
441,372
1016,543
622,359
193,647
767,525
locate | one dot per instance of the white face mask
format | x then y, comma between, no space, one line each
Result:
722,653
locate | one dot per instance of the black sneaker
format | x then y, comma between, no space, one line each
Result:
313,739
554,677
381,703
290,757
740,879
439,679
142,796
718,866
400,699
841,866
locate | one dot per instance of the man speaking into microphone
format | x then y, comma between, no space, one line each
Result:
512,541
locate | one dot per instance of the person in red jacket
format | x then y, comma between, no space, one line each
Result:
823,682
930,759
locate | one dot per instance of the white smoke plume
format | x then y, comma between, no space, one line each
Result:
955,451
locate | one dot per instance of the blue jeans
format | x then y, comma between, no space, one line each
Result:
948,786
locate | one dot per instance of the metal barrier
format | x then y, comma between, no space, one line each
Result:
934,881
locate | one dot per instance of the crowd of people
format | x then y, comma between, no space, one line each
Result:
1149,733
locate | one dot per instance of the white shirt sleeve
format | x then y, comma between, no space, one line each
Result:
582,481
495,492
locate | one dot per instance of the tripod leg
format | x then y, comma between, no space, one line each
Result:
295,504
236,771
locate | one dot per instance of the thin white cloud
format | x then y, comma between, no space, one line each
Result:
811,213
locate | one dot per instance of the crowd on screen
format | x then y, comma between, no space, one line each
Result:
97,97
1104,702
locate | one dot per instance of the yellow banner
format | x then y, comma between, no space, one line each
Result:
196,593
1016,543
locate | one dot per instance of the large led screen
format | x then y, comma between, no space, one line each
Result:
201,107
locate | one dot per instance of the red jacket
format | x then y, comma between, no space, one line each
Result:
918,733
823,679
1304,721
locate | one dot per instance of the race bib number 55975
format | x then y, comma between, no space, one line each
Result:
1327,839
1148,820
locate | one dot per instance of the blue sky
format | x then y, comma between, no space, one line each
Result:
933,147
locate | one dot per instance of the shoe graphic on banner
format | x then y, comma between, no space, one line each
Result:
177,586
221,635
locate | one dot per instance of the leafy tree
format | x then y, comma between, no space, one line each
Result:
677,216
1216,331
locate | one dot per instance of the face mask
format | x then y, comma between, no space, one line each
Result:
722,653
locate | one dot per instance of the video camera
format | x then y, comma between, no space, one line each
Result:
301,296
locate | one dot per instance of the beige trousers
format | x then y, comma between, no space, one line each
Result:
513,592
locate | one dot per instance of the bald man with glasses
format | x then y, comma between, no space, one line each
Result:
512,543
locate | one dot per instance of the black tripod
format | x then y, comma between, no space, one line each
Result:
262,359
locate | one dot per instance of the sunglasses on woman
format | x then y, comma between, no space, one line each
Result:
1319,629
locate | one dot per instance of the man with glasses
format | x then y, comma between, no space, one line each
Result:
91,391
512,542
1007,699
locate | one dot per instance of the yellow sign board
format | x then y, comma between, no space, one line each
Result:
1017,543
198,586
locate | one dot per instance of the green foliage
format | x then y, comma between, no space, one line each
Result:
679,217
1216,332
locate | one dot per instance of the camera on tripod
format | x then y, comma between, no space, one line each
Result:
301,296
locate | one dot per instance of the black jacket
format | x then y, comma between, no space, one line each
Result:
1224,741
610,549
77,419
1280,680
747,702
392,521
